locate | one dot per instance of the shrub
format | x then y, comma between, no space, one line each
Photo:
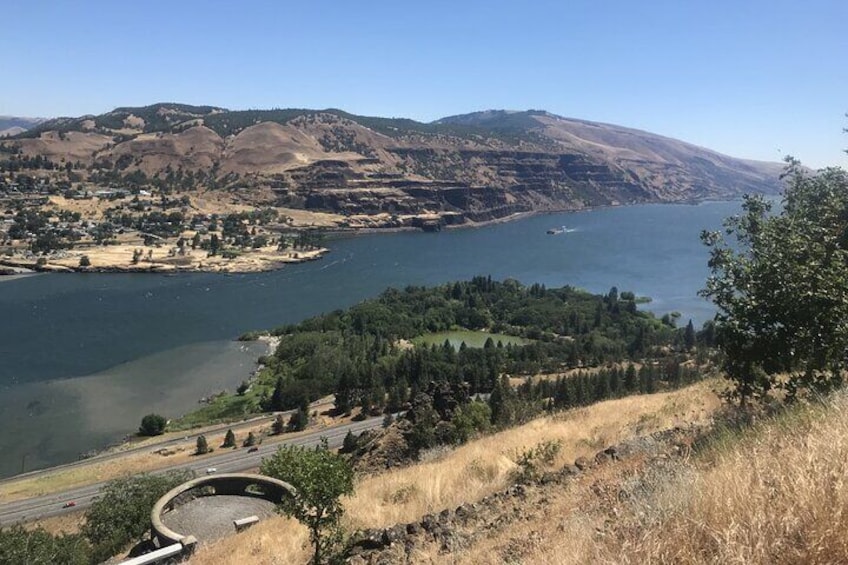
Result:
152,425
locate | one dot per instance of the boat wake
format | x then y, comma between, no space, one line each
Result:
562,229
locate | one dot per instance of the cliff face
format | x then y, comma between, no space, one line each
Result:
465,168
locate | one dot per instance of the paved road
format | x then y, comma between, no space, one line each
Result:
229,461
192,436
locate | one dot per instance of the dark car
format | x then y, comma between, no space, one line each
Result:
70,504
253,449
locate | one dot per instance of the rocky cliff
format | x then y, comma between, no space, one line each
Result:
473,167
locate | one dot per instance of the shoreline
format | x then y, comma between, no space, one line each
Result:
17,276
131,440
258,262
246,264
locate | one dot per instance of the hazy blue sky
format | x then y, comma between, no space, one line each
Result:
751,78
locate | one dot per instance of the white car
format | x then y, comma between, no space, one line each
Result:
211,470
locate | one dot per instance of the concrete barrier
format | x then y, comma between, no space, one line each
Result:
155,556
244,523
240,484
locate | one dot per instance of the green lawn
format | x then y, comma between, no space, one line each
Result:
471,338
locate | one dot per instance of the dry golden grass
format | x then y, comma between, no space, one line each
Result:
278,541
775,495
475,470
484,466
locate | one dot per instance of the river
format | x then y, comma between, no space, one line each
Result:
84,356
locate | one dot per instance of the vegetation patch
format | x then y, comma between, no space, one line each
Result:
476,339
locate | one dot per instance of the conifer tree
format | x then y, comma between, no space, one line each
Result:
202,446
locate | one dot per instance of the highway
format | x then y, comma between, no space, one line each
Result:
192,436
223,461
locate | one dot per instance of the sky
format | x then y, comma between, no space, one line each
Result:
750,78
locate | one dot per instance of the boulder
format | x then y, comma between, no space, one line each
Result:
582,463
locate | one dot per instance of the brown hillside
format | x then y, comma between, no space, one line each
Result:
197,148
474,167
72,146
270,148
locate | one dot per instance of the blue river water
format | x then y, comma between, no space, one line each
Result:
84,356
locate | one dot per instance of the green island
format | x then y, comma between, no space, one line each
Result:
375,356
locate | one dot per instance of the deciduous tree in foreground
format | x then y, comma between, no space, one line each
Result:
321,478
780,282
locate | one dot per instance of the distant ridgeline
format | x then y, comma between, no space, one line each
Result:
473,167
366,355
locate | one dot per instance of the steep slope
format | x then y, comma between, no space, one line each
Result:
472,167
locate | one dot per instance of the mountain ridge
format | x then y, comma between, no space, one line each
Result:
468,167
14,125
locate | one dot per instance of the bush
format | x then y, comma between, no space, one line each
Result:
532,461
471,419
39,547
202,446
152,425
122,513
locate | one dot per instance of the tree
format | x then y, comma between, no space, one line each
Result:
422,434
229,439
214,244
279,426
781,287
250,441
349,444
152,425
300,419
39,547
689,336
630,379
276,402
202,446
388,420
321,478
502,403
84,261
121,514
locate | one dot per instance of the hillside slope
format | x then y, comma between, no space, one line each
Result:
667,492
14,125
473,167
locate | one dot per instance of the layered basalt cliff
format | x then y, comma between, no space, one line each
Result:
475,167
